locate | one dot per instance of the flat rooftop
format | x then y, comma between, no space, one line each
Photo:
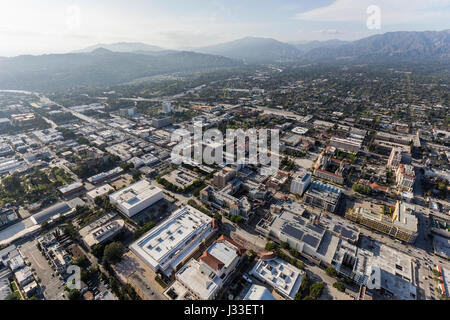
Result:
135,194
279,274
199,282
164,242
324,191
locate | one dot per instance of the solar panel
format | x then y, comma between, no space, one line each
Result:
293,232
310,240
348,234
299,220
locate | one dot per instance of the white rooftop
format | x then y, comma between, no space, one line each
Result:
257,292
134,194
279,274
198,281
164,243
224,252
100,191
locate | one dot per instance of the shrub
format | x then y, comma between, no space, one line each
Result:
339,286
331,271
316,289
270,246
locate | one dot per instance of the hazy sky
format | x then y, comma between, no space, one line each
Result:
54,26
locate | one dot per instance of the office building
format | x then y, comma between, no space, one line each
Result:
136,197
169,245
282,276
204,277
405,177
323,196
395,158
401,225
102,230
348,144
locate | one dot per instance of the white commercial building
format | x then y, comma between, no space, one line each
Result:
300,182
167,246
99,192
204,278
282,276
136,197
258,293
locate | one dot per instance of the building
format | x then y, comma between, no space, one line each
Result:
440,226
167,107
323,196
22,118
258,293
166,247
102,230
8,215
395,158
329,168
24,276
49,213
99,192
444,281
401,225
5,286
161,122
305,236
205,276
222,177
278,180
282,276
390,272
348,144
223,199
128,112
136,197
101,177
71,189
405,176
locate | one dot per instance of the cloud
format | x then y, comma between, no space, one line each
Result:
392,12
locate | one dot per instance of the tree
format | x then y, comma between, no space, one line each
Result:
284,245
113,252
316,289
331,271
340,286
137,175
74,294
81,261
11,296
97,251
270,246
303,291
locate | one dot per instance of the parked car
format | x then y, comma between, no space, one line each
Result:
247,278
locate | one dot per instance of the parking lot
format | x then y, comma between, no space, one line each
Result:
51,285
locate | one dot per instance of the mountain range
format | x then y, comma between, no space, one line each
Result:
107,64
122,47
99,67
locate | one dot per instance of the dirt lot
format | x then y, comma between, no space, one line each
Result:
123,180
134,271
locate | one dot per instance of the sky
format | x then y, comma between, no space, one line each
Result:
58,26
